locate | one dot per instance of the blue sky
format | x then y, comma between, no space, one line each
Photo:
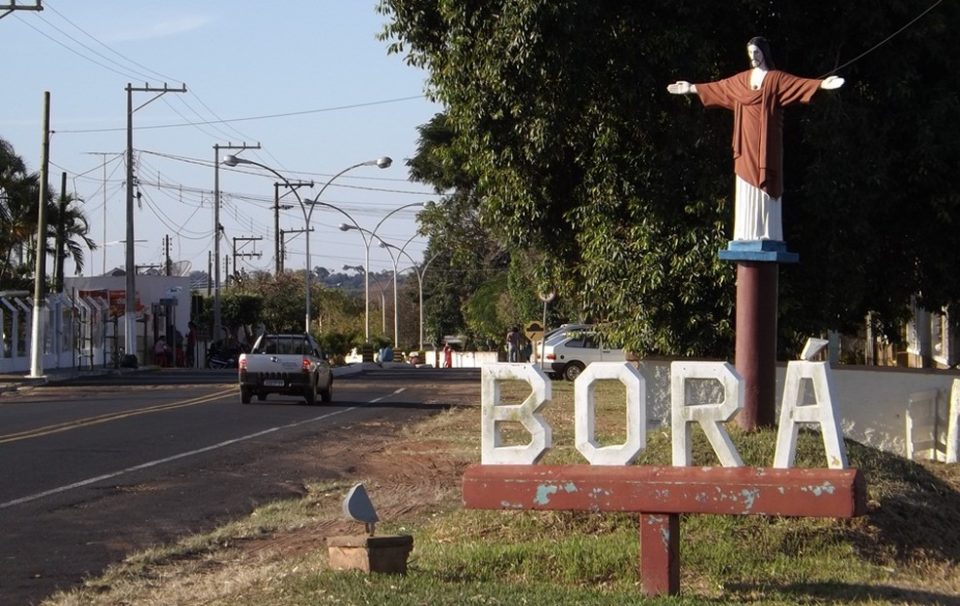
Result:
245,63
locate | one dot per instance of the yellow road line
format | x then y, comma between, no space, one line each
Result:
113,416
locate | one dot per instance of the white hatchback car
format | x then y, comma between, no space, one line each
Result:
568,352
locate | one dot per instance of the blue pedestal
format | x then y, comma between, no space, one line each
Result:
771,251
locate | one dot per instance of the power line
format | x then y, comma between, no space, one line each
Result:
142,71
75,52
140,75
248,118
98,41
884,41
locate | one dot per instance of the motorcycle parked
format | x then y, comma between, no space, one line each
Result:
220,355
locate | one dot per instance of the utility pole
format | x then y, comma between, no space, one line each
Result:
277,207
243,255
226,266
13,6
283,241
130,304
40,269
217,228
166,250
209,271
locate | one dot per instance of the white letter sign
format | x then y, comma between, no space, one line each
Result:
822,413
493,413
585,413
709,416
953,422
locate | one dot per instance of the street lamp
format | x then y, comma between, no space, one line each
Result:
420,271
396,259
366,243
383,162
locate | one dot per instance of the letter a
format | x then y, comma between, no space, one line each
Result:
822,413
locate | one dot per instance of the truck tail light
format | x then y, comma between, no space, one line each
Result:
243,363
305,365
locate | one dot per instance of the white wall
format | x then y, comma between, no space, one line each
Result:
872,400
149,288
462,359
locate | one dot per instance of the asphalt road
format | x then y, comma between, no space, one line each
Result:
94,469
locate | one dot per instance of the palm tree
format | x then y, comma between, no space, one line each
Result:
19,191
15,211
69,230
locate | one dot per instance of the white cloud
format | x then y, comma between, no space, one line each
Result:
161,29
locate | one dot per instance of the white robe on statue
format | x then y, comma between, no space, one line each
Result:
757,216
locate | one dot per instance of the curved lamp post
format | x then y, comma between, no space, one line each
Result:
420,272
232,160
396,259
366,243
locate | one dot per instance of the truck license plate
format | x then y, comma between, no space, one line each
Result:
273,383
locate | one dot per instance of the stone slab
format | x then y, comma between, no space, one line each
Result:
770,251
385,554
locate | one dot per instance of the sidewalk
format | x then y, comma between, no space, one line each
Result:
16,380
10,382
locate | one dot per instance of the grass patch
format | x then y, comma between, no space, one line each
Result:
906,550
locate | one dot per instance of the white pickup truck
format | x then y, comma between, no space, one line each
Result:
289,364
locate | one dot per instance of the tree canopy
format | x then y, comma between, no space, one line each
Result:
66,224
573,151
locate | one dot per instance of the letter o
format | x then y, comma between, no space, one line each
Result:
585,413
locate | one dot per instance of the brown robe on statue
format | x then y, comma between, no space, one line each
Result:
758,121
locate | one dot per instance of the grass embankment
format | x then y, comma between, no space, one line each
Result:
907,550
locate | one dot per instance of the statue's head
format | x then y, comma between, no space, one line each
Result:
758,50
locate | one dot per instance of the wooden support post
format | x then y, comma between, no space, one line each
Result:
660,554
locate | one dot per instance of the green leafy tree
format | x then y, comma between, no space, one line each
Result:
570,144
336,311
240,310
283,311
479,285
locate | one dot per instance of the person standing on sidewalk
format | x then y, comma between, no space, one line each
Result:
191,344
513,344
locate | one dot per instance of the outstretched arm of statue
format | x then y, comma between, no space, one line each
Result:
831,83
682,87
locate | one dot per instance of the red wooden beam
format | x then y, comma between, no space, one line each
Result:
660,494
833,493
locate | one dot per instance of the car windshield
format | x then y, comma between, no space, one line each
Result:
562,336
284,345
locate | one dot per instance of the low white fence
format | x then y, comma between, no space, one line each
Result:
16,320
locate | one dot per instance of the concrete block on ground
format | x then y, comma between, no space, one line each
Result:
370,554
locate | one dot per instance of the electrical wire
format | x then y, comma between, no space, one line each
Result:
142,71
98,41
247,118
151,205
884,41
